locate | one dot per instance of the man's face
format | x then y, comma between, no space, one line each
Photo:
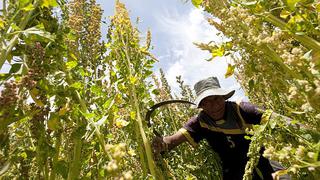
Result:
213,105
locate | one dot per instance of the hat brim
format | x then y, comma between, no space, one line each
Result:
213,92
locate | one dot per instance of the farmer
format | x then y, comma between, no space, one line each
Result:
222,123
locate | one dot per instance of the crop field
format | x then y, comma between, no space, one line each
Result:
73,106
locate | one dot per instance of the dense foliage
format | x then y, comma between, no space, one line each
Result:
61,103
275,50
73,106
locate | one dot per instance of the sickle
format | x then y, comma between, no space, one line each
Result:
154,107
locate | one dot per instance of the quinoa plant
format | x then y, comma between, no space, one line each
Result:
275,50
58,111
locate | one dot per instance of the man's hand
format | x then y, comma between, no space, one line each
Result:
158,145
163,144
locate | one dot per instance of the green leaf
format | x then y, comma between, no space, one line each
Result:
15,27
318,7
2,23
15,68
228,45
307,136
4,76
197,3
133,115
247,137
101,172
71,64
230,71
294,122
54,122
73,56
89,174
23,3
23,155
210,59
148,73
108,103
133,80
284,14
49,3
39,32
89,115
96,89
219,52
292,3
155,92
30,7
107,45
110,136
77,85
62,168
251,85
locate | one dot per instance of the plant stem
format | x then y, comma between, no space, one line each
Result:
97,131
141,150
46,170
146,142
304,39
4,6
74,168
56,156
276,58
6,50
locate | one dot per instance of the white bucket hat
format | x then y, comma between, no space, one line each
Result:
210,87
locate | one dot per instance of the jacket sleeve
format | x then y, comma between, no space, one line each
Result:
252,114
192,131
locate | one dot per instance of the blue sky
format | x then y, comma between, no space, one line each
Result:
174,26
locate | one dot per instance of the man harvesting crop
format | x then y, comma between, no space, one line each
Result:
222,123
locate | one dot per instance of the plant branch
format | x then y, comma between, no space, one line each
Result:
6,50
304,39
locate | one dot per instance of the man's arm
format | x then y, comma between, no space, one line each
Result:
174,140
161,144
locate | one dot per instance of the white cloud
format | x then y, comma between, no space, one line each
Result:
185,58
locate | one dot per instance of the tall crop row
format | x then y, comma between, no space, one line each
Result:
68,95
275,47
73,106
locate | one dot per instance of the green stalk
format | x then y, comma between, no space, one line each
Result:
4,6
74,168
55,157
6,50
141,151
97,131
172,120
276,58
304,39
46,170
40,153
85,109
146,142
253,151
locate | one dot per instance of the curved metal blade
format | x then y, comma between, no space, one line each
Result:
154,107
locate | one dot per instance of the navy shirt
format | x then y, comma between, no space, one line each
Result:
226,136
